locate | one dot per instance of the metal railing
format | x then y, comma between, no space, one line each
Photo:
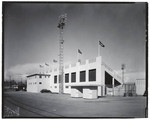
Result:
115,75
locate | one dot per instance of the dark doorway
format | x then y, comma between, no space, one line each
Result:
108,80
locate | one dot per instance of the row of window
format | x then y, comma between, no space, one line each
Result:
56,86
34,83
40,76
92,76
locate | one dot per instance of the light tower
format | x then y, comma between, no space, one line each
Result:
123,67
61,25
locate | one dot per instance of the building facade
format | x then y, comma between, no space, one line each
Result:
87,79
37,82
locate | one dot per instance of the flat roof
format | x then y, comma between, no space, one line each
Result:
38,75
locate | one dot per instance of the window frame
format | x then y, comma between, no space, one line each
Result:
67,75
91,75
81,72
73,73
55,80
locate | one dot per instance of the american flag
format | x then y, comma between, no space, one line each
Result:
46,64
100,43
79,51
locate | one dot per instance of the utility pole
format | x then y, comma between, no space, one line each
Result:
61,25
123,67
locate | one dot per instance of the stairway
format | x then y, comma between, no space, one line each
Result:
118,90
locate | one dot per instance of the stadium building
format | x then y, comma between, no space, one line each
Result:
87,79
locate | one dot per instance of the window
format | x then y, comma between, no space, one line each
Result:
55,86
92,75
82,76
67,78
67,86
55,79
73,77
40,82
40,76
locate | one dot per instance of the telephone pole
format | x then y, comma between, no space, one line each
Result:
61,25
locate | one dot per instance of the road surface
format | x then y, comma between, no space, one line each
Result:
55,105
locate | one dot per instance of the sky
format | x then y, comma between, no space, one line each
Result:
31,36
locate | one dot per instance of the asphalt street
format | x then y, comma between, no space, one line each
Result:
56,105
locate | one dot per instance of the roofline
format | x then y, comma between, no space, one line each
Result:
38,74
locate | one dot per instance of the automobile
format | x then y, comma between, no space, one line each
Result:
45,91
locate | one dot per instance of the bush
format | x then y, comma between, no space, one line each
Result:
45,91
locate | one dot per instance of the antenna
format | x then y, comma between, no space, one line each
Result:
61,25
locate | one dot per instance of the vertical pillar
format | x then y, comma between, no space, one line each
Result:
77,72
113,83
87,70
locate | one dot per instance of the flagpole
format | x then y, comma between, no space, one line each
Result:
98,49
77,55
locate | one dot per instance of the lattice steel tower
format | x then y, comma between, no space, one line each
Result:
61,25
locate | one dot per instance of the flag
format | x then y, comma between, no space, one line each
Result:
46,64
79,51
41,66
54,61
100,43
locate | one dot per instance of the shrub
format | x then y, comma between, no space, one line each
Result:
45,91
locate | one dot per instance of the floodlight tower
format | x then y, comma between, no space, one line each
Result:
123,67
61,25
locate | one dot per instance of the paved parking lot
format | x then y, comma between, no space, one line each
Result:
56,105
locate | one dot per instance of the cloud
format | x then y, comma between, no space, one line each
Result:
18,71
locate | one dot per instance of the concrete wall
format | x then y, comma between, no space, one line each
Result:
90,92
45,83
77,67
54,87
87,65
34,86
84,66
140,86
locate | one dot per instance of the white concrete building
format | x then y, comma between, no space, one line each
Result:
88,79
140,86
37,82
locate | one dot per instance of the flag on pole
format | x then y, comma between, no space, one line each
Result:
46,64
100,43
54,61
79,51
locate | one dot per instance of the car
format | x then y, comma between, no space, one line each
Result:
45,91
